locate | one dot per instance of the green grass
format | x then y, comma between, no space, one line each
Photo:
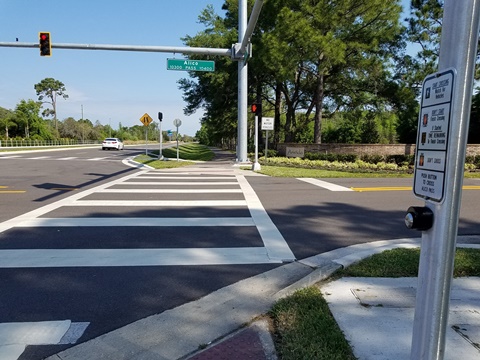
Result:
297,172
161,164
281,171
404,263
304,328
191,151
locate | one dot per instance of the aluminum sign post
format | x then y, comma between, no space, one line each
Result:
443,193
256,165
160,117
177,123
267,124
146,120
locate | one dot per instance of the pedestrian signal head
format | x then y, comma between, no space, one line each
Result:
256,109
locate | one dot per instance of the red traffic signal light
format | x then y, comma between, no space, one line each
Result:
256,109
45,44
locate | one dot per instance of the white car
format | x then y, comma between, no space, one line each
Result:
112,143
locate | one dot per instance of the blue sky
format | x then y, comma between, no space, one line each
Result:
113,87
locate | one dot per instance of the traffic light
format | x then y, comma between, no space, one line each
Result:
45,44
256,109
160,116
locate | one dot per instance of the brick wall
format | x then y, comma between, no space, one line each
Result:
364,149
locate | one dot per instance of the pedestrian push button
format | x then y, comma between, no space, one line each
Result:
419,218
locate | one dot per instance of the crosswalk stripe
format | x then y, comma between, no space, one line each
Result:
273,240
42,258
177,222
165,203
173,191
190,183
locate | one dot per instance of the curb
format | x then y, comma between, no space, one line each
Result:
222,313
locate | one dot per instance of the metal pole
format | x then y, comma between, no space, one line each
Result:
242,88
146,140
256,165
266,145
160,155
178,156
139,48
252,22
457,50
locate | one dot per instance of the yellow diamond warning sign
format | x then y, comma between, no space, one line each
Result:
146,119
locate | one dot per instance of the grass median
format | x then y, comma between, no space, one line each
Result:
304,327
188,154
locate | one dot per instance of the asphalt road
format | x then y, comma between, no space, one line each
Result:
143,256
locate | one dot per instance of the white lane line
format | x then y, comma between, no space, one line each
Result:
325,185
10,157
39,158
97,159
188,183
68,158
172,191
42,258
74,222
165,203
277,247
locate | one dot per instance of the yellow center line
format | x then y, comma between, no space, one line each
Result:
403,188
10,191
386,188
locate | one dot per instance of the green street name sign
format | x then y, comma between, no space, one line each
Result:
190,65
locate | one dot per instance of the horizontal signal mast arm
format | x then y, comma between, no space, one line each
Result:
139,48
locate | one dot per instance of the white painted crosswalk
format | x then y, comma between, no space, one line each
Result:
274,249
170,191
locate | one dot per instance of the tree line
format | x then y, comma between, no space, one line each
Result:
327,71
37,120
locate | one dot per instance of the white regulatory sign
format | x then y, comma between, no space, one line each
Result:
432,136
267,123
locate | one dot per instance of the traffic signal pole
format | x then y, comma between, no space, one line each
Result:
242,88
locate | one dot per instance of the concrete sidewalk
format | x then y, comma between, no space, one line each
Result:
376,315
